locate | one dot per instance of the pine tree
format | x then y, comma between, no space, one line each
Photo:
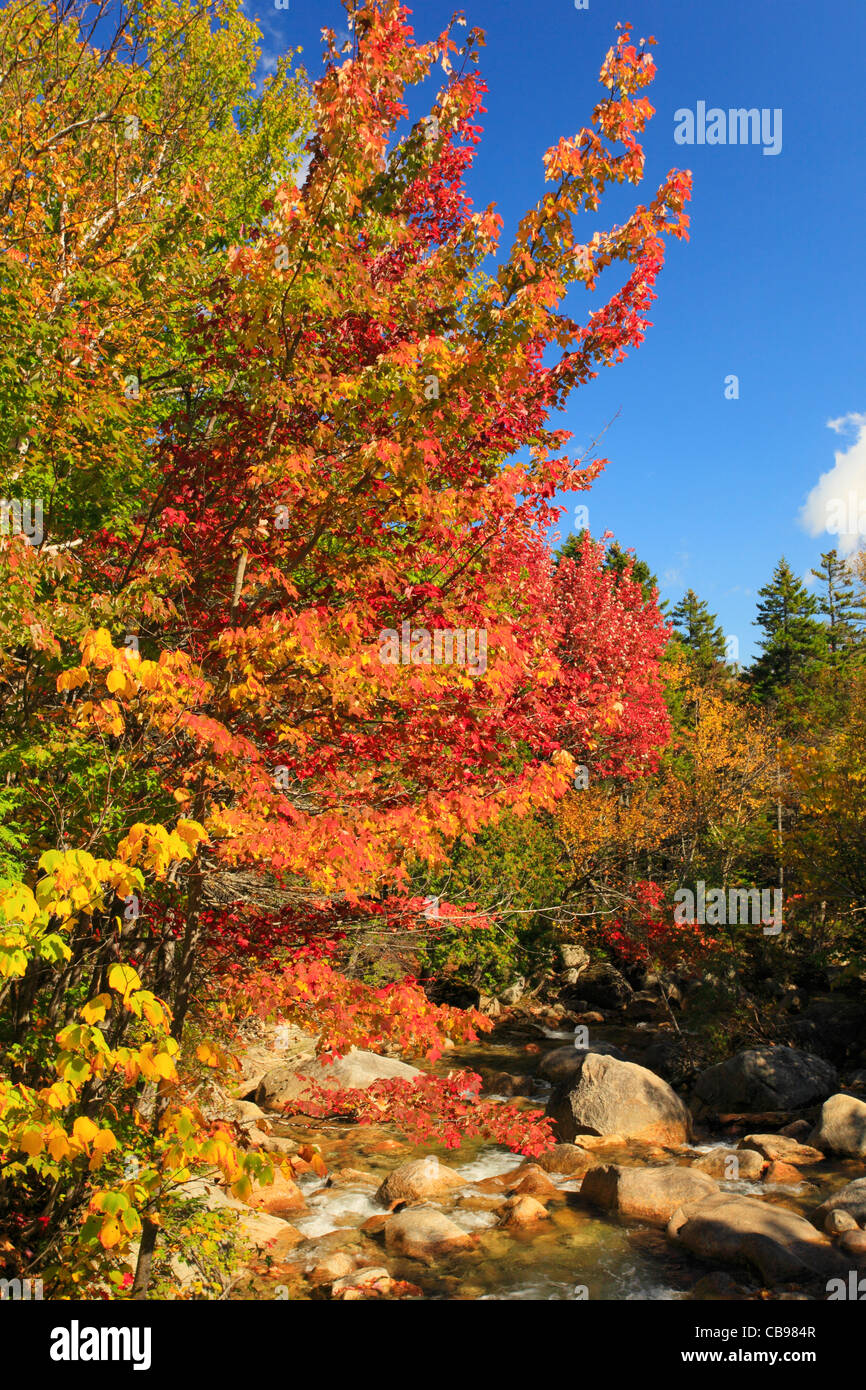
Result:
841,607
795,639
699,632
617,560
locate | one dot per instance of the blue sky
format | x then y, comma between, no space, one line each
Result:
770,288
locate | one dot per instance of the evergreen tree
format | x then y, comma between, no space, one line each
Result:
617,560
699,632
841,607
795,639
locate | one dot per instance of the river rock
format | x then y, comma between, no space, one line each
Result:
645,1194
603,986
522,1210
372,1282
282,1197
609,1097
424,1233
853,1243
563,1063
332,1267
851,1198
777,1243
838,1221
357,1070
842,1127
532,1181
782,1172
742,1165
780,1148
765,1079
412,1182
567,1159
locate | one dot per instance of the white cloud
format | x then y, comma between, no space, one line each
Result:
837,502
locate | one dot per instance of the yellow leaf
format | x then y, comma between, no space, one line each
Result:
110,1234
31,1142
94,1010
124,979
84,1130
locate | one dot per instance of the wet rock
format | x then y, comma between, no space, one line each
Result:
358,1069
838,1221
782,1173
851,1199
841,1128
374,1225
412,1182
567,1159
610,1097
645,1194
777,1243
424,1233
563,1063
781,1148
280,1198
765,1079
522,1210
534,1182
731,1165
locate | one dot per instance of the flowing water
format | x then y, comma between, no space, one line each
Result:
575,1254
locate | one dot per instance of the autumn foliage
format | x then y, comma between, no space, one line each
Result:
272,415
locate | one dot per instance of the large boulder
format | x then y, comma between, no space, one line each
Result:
851,1199
645,1194
765,1079
413,1182
775,1242
356,1070
564,1063
842,1127
607,1096
602,986
424,1233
